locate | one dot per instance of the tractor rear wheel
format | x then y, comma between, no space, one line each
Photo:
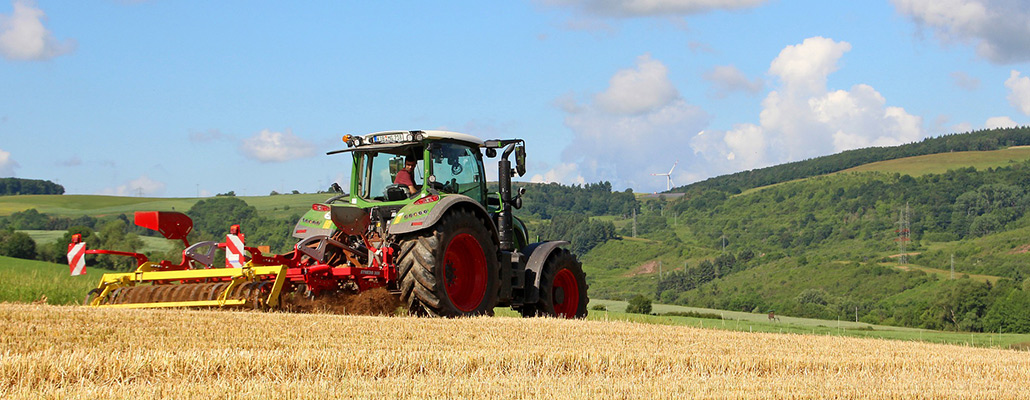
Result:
450,270
563,289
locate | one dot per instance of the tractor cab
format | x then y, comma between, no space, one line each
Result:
445,163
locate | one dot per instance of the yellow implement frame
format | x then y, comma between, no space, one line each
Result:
249,273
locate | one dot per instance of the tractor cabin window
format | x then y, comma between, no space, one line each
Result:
458,169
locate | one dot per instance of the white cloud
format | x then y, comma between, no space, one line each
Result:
23,36
802,118
7,164
727,79
567,173
1019,92
632,129
1000,122
998,28
647,8
142,186
640,90
964,81
268,146
803,68
962,127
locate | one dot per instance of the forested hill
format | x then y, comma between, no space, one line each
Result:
16,186
973,141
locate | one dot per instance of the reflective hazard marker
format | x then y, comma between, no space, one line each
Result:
234,248
77,255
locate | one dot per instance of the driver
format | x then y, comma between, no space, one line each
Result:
406,176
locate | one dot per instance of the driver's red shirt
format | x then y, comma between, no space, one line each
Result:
404,178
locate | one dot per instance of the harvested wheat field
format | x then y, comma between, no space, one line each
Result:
77,352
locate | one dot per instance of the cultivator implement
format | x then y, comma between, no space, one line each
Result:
256,281
252,287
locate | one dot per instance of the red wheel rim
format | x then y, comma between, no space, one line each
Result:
465,273
565,294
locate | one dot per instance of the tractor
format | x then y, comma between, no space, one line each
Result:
418,220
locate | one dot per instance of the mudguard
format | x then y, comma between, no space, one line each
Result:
538,253
425,212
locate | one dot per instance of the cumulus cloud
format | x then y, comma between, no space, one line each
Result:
7,164
727,79
650,8
1000,122
142,186
627,132
563,173
23,36
268,146
640,90
803,118
998,28
1019,92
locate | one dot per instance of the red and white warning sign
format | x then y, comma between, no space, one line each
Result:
234,248
77,255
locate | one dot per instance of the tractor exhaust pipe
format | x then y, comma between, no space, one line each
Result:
505,229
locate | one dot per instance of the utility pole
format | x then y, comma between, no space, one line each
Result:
903,235
952,266
659,269
634,222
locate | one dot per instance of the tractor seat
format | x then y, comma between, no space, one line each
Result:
396,192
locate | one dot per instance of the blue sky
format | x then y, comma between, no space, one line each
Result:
188,98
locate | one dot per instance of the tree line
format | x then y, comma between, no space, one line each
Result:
18,186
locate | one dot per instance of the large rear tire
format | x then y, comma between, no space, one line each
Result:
450,270
563,289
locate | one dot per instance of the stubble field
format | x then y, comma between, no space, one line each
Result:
78,352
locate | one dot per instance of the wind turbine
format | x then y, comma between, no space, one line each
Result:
668,176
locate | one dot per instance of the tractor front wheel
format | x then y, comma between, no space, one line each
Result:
450,270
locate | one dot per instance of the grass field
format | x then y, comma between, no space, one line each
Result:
150,243
752,322
78,352
74,205
941,163
933,163
27,281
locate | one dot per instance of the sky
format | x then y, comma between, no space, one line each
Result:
194,98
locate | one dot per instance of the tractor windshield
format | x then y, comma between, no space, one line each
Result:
458,168
378,173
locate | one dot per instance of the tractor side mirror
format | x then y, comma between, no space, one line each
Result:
491,152
517,201
520,159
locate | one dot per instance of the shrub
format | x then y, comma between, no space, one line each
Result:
639,305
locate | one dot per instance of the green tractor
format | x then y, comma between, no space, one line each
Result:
419,220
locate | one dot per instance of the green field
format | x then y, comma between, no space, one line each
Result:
941,163
97,206
25,281
751,322
932,164
151,244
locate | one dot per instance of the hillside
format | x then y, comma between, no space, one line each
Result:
973,141
822,246
187,354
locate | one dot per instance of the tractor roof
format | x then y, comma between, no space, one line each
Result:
384,140
434,135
